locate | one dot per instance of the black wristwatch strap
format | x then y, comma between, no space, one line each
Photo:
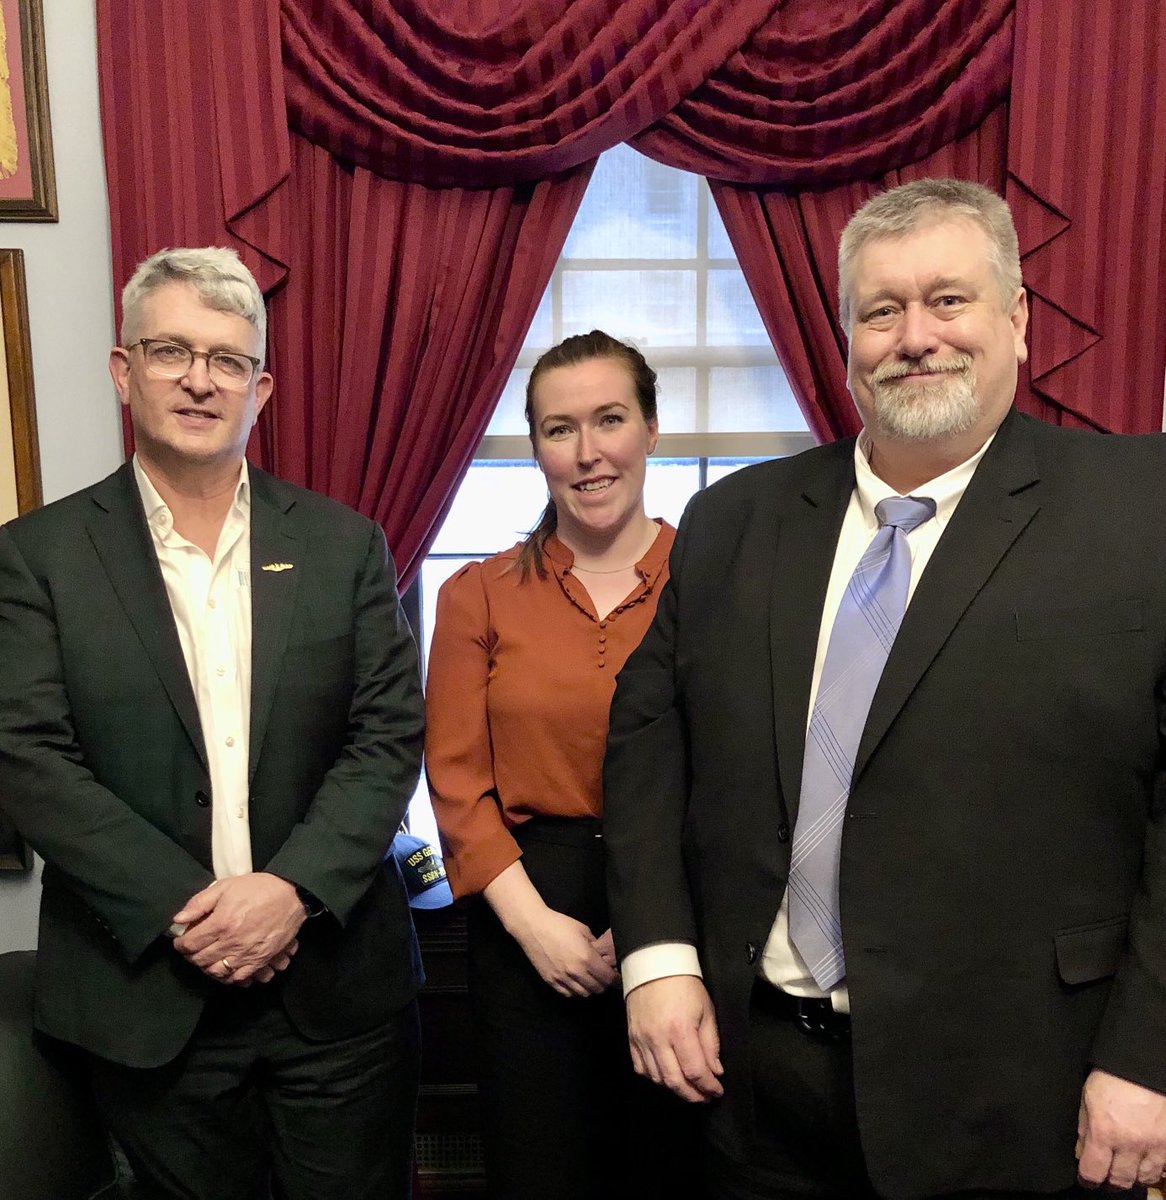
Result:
313,906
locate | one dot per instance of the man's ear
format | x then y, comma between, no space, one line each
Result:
1018,318
264,386
119,371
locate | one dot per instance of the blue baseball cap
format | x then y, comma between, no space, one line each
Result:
422,870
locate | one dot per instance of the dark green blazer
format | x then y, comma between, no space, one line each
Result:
103,768
1003,874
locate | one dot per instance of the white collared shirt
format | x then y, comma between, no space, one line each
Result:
211,603
780,962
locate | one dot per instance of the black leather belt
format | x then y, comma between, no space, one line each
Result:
813,1016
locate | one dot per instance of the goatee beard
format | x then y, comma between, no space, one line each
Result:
918,411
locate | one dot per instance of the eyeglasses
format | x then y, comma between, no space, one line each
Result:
171,361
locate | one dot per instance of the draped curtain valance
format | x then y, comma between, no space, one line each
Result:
211,108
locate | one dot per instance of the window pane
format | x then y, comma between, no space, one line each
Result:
720,467
508,416
753,400
675,398
495,506
719,244
654,308
733,319
668,485
540,335
661,223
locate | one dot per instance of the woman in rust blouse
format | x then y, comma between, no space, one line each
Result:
522,667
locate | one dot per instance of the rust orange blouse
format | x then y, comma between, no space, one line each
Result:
520,680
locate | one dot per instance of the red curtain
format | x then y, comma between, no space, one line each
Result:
401,176
399,326
1087,182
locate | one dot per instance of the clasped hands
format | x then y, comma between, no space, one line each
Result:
241,930
567,955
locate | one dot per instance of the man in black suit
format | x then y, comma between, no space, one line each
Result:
210,725
994,996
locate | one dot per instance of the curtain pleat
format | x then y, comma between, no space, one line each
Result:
1087,184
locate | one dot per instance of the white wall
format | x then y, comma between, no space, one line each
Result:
70,314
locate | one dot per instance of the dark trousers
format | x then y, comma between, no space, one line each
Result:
564,1115
808,1145
250,1102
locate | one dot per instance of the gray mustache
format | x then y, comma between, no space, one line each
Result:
957,362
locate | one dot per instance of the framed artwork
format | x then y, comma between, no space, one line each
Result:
20,487
28,186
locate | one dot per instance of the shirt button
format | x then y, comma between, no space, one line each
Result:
602,624
602,638
602,649
783,832
220,671
211,603
750,952
230,741
201,799
239,812
601,663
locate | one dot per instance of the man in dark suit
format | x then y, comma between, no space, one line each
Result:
210,725
891,897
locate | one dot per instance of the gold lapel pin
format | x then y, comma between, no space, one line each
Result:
278,566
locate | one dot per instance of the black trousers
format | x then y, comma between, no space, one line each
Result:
808,1145
249,1104
564,1115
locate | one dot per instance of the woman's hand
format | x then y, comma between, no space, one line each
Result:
605,944
565,953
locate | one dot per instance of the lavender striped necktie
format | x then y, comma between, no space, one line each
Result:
868,619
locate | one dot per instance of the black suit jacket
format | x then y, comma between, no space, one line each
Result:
103,768
1003,882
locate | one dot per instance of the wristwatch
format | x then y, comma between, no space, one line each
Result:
313,906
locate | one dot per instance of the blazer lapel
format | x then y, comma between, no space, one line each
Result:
121,537
276,569
1003,496
807,541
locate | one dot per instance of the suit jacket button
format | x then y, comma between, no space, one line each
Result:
201,799
751,952
783,832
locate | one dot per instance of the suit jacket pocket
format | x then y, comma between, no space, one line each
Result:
1114,616
1091,952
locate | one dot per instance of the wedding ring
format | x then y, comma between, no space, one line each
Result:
227,965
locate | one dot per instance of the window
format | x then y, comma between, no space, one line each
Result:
647,260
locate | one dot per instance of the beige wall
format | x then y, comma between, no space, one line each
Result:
70,314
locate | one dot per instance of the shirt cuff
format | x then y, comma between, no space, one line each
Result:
657,962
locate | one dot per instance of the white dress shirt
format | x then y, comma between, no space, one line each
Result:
211,603
780,962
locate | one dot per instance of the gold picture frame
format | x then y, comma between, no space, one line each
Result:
20,482
28,184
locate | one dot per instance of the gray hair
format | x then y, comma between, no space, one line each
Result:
904,209
216,273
